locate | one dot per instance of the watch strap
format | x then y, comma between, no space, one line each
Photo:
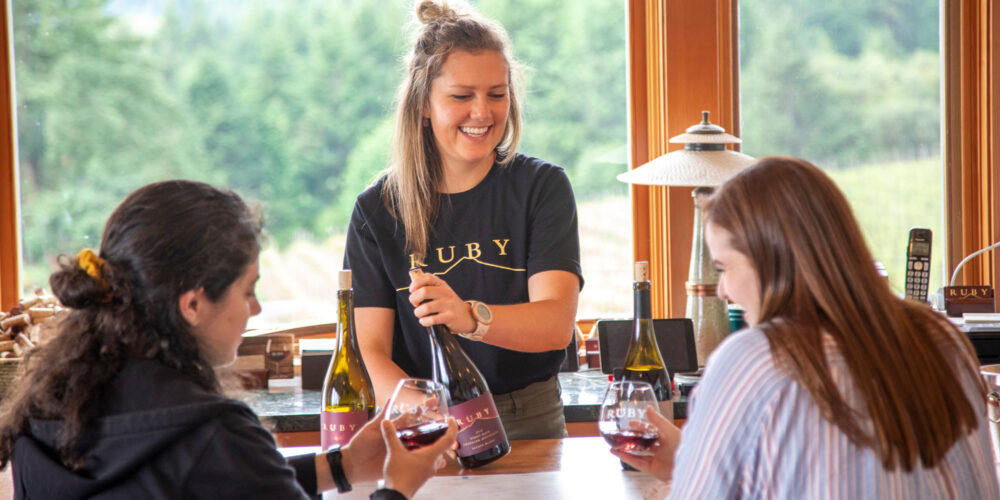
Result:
481,328
335,460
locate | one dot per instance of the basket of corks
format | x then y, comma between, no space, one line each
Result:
29,323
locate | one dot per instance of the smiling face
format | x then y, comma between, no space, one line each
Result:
220,325
738,280
468,106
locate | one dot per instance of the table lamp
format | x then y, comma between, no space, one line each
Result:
704,163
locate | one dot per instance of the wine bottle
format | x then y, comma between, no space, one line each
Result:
348,396
643,361
481,437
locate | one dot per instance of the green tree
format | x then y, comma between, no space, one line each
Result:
94,123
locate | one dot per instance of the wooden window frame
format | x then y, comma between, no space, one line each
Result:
971,132
682,59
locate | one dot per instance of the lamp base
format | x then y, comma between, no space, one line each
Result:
710,318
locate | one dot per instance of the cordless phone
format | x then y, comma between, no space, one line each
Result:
918,264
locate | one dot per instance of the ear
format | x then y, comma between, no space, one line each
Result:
192,305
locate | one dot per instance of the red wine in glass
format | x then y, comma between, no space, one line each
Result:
634,442
421,435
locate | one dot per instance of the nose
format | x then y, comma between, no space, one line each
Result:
480,109
720,290
255,307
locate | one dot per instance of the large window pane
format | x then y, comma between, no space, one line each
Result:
290,104
853,87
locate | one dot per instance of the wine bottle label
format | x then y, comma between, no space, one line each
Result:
479,426
337,428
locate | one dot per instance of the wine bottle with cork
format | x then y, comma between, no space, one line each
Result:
481,436
643,361
348,395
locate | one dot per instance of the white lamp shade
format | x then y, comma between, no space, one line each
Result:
689,168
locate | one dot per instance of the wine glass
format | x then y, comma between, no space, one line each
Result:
623,422
419,410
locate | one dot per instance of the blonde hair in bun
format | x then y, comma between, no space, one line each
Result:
415,170
430,12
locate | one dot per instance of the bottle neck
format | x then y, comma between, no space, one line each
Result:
641,300
643,348
347,339
439,338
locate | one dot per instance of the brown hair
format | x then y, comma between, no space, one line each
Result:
163,240
817,277
415,170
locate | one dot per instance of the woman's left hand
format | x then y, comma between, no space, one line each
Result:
436,303
661,464
364,455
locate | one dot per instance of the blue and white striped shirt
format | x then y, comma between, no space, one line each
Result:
753,432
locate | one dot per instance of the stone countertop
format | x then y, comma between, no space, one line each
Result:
286,407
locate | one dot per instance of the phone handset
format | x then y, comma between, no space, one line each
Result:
918,264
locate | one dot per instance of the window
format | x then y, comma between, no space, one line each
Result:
855,90
290,104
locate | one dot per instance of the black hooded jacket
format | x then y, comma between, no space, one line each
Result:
162,436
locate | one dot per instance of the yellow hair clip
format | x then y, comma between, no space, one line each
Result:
92,264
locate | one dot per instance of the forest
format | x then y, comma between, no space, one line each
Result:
290,102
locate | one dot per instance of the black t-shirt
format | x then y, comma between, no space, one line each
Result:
486,243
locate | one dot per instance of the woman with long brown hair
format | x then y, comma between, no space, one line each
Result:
124,401
838,388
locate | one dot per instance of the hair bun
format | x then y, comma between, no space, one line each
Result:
75,288
430,11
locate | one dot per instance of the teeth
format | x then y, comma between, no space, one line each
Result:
474,131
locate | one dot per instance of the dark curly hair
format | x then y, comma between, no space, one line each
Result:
165,239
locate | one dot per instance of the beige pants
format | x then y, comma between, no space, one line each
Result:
534,412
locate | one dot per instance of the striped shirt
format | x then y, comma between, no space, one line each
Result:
753,432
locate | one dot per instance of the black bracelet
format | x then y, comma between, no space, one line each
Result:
387,494
334,458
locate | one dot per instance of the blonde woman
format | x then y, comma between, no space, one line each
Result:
495,231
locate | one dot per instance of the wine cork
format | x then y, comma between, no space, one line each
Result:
642,270
37,313
416,271
344,279
20,319
32,302
23,341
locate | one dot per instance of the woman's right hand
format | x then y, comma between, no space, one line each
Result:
406,471
661,464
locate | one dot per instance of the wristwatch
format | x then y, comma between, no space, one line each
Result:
483,316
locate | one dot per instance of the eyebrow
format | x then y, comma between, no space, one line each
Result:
473,87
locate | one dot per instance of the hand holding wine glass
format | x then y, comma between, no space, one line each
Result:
418,410
623,422
661,463
407,470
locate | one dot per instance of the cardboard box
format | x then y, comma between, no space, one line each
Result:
278,351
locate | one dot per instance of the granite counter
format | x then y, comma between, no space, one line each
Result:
286,407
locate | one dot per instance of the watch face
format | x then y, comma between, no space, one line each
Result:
483,312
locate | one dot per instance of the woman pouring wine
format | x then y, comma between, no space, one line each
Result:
494,231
